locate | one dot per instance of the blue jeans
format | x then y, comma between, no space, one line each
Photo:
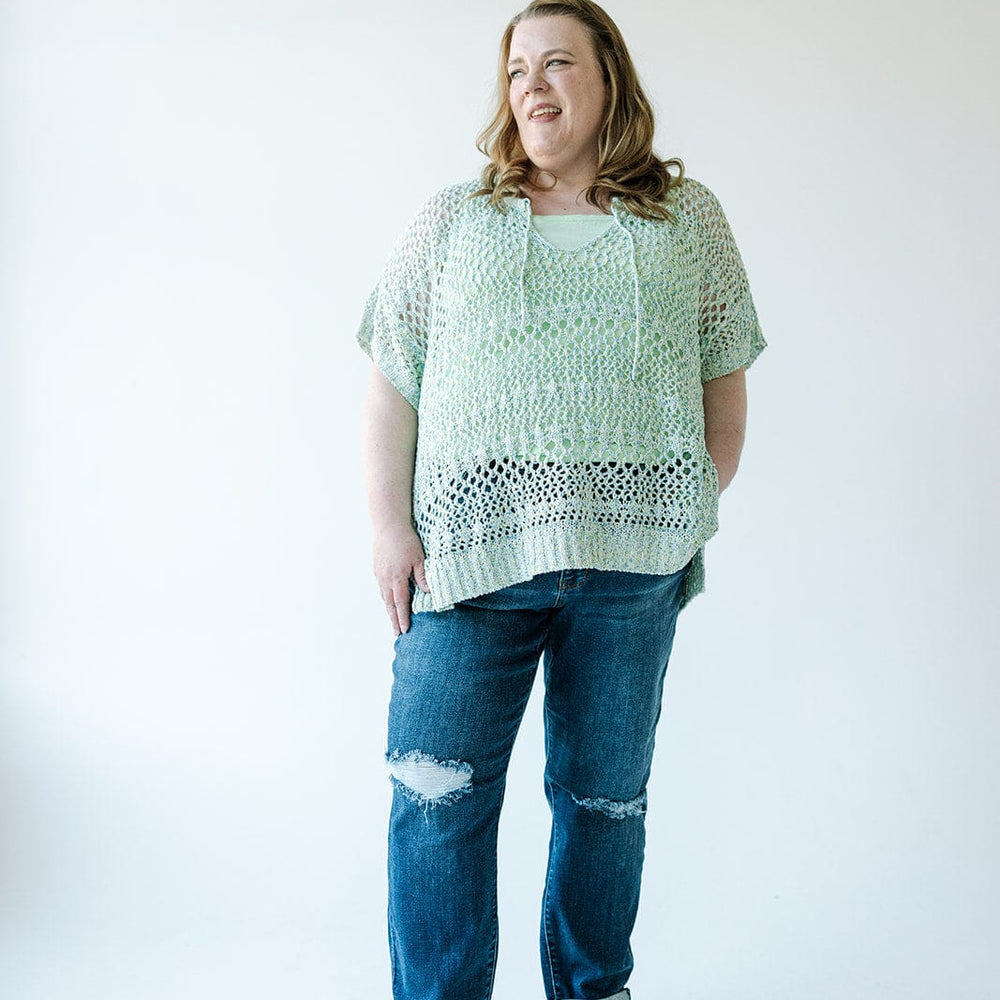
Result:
461,682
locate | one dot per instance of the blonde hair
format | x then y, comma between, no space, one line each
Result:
626,165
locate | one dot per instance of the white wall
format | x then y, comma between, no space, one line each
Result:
196,197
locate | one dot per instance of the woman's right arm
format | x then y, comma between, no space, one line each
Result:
389,447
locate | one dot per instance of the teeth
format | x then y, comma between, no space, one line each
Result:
545,111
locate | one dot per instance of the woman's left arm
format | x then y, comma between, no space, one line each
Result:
725,402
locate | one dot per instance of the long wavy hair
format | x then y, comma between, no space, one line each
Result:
626,164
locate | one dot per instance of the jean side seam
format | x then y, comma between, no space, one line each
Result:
548,868
548,933
488,992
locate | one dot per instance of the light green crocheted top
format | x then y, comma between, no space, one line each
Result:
558,391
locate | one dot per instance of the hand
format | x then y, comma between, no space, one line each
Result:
398,555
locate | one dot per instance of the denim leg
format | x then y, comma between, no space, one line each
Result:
462,678
605,661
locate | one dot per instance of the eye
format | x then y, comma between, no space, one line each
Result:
513,73
552,62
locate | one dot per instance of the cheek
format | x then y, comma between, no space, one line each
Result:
516,113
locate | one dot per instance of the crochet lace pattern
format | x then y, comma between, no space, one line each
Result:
559,392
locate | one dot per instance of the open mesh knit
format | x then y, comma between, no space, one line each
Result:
559,392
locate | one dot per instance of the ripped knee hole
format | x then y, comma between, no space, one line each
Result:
614,809
428,781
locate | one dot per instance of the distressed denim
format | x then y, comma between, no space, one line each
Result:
461,680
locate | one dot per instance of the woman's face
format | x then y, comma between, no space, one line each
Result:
557,94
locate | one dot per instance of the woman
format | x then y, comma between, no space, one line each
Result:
573,332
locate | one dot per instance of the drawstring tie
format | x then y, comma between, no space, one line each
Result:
637,307
526,204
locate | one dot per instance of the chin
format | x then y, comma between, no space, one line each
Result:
544,159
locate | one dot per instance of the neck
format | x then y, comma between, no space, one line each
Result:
565,190
565,183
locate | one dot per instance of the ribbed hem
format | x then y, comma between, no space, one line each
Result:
492,566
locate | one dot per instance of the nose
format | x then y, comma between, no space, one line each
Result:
533,81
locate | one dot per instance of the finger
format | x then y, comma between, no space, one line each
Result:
390,610
421,577
390,599
402,609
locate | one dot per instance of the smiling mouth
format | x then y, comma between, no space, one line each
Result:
544,113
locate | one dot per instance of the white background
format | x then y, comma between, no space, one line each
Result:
196,198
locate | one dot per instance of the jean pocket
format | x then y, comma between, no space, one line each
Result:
504,598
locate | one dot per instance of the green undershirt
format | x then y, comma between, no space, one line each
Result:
567,232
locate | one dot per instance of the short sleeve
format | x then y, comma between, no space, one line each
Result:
728,329
397,315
